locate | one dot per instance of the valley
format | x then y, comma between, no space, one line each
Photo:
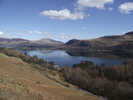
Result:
108,46
66,50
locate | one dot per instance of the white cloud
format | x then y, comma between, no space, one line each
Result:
66,36
1,33
63,14
35,32
110,9
100,4
126,7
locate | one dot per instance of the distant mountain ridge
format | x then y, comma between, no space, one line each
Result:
118,45
48,41
27,44
116,39
5,42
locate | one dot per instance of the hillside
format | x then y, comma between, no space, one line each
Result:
5,42
27,44
117,45
48,41
121,45
20,81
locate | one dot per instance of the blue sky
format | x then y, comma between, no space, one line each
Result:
64,19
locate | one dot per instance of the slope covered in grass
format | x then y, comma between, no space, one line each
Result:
20,81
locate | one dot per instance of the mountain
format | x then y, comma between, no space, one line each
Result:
5,42
117,45
41,44
48,41
106,41
27,44
121,45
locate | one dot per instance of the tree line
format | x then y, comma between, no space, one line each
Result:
114,83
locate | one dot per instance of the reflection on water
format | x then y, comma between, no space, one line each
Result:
61,58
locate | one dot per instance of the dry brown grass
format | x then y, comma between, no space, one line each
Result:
19,81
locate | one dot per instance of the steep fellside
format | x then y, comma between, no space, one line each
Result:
20,81
121,45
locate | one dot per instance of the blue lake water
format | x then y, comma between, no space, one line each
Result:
61,58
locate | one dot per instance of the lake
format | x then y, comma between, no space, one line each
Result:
62,58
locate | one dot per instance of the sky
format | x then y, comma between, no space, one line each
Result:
65,19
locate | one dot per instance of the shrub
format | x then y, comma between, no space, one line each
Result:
115,83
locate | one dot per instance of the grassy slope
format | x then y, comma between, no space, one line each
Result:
19,81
